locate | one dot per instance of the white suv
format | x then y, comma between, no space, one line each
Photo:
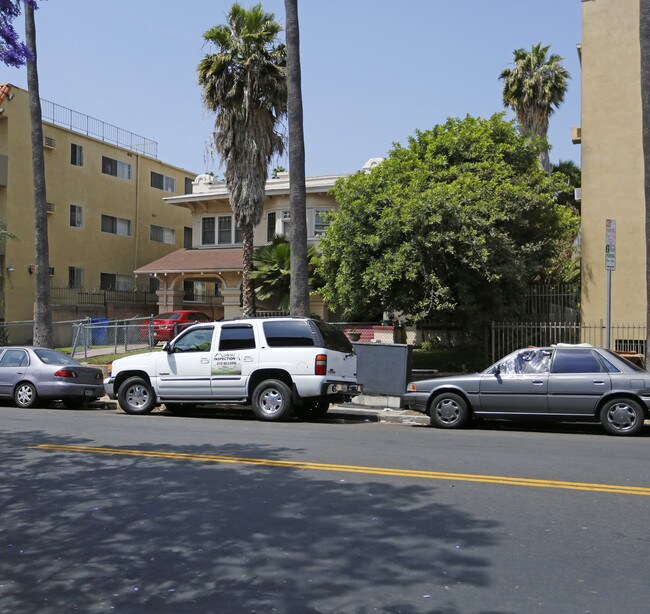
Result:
279,365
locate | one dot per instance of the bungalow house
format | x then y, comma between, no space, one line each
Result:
210,272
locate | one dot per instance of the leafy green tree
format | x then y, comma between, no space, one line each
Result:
244,83
534,88
458,222
15,53
272,272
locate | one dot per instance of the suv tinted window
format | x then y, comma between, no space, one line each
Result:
334,338
239,337
576,361
288,333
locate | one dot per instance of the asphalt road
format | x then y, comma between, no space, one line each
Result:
104,512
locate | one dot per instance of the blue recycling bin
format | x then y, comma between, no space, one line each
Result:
99,331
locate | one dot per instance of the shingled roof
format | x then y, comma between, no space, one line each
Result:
213,260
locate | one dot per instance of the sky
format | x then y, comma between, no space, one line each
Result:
373,71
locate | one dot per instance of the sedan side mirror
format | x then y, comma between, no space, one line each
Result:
167,347
497,370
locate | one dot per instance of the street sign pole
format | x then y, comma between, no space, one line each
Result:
610,265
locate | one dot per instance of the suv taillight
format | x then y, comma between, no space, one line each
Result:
320,367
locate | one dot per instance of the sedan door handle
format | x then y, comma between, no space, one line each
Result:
599,382
538,382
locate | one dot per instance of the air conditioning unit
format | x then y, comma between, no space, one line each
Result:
49,207
576,135
49,142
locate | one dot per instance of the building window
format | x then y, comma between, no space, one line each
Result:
207,231
113,281
321,223
162,234
116,225
188,185
162,182
187,237
116,168
220,231
154,284
76,154
75,277
51,271
76,218
286,224
270,226
224,235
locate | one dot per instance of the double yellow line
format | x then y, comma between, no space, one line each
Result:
407,473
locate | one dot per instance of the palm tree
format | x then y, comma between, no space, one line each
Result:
42,301
644,38
299,304
274,275
534,89
244,83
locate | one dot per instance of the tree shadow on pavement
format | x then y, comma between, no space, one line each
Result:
98,533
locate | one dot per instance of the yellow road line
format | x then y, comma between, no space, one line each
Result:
411,473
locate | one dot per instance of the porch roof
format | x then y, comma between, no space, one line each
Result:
215,260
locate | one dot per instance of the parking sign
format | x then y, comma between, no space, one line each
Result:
610,245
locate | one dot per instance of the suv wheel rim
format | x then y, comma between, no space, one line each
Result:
137,396
271,401
621,416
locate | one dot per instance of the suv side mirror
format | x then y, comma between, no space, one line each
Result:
167,347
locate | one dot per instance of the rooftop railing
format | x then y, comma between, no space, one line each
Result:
84,124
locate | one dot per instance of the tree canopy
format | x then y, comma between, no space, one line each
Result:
13,52
534,88
459,222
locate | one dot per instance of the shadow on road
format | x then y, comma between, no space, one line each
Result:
116,533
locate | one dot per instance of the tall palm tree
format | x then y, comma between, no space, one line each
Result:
244,83
644,39
43,335
299,305
534,89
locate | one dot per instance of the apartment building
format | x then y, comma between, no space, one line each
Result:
612,162
106,211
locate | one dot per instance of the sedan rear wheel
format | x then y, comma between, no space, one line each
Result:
25,395
622,417
449,411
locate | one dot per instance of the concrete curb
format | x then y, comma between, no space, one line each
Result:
342,412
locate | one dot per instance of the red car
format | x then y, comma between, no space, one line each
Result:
167,325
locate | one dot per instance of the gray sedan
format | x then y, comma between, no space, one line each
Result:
28,374
564,383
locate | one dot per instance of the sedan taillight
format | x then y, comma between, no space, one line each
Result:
320,367
65,373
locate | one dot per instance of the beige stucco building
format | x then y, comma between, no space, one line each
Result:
612,161
215,257
106,213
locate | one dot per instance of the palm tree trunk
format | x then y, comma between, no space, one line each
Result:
299,293
42,302
247,288
644,37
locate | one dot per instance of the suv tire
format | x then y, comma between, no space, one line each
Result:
272,400
136,396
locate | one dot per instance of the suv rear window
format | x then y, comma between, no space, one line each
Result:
287,333
334,338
